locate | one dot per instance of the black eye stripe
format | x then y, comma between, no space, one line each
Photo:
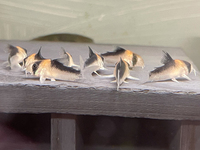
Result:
35,66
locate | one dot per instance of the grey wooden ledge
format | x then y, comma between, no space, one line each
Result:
66,100
158,100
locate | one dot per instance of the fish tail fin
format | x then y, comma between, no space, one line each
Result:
193,70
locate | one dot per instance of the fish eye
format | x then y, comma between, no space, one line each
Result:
34,66
150,74
21,63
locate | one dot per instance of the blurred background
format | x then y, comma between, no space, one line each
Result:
171,23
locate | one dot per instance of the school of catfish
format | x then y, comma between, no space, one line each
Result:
123,60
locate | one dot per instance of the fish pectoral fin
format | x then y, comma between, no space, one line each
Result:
174,79
42,79
103,68
133,78
87,72
97,73
76,66
150,81
125,82
185,76
19,65
52,79
117,87
108,76
113,81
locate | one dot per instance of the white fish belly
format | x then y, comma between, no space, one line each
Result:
64,75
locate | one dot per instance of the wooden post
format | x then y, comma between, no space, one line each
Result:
174,135
187,134
63,132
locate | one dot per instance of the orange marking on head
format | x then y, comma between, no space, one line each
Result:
45,63
127,56
30,59
98,57
180,63
21,50
68,54
128,53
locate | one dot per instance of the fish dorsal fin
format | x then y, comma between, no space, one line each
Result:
12,50
166,58
65,54
10,46
38,55
91,53
63,50
118,49
120,62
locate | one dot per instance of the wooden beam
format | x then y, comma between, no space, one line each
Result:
187,134
46,99
63,132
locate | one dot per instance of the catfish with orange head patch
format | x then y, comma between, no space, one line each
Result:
28,61
16,56
53,69
172,69
92,64
121,73
133,59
